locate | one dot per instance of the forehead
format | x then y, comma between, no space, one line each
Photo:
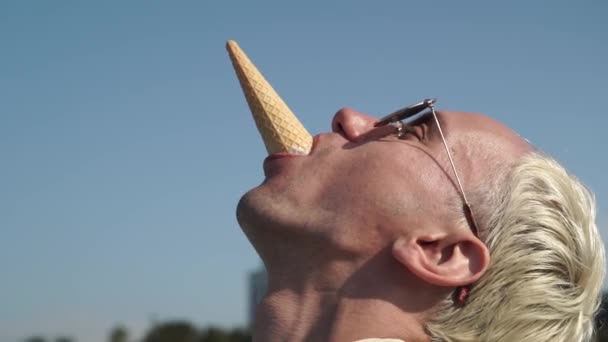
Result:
472,121
462,127
481,142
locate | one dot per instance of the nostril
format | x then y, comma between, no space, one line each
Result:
339,121
338,128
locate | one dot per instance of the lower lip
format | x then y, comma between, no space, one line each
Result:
280,155
277,161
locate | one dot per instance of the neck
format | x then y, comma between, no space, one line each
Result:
343,302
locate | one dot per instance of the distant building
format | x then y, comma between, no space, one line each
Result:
258,283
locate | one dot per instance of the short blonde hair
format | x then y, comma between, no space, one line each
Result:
547,261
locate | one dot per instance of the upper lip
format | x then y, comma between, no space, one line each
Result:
326,139
315,142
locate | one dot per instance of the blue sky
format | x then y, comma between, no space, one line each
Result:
125,142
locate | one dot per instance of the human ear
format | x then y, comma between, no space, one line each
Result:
443,259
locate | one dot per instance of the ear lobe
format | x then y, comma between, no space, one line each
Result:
443,260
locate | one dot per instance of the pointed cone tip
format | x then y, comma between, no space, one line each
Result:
280,128
231,45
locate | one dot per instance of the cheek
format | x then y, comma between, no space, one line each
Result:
377,180
414,187
370,186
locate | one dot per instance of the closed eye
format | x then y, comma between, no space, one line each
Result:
418,131
422,124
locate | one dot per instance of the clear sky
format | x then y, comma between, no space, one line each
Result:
125,141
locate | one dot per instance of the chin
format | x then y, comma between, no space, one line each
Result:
259,211
246,210
265,224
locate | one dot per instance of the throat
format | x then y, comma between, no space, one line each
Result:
328,316
288,315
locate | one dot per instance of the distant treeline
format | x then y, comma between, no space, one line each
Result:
182,331
174,331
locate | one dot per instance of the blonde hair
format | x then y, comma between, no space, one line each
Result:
547,261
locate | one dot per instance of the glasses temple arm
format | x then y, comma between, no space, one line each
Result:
447,150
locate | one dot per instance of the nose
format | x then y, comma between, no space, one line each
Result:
353,125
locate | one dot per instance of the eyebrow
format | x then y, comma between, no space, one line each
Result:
442,121
427,117
422,118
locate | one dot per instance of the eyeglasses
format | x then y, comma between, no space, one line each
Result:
395,119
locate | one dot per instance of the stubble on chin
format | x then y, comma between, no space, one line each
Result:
261,209
249,211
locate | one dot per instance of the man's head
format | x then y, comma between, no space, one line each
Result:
362,186
364,191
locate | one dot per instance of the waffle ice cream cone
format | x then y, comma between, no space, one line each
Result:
280,128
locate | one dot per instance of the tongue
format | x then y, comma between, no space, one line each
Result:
280,128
